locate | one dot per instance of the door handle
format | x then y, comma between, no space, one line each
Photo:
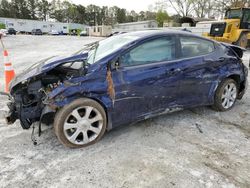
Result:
173,71
222,59
209,60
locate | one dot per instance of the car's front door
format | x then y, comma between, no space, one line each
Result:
146,81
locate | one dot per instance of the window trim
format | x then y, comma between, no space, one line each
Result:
148,40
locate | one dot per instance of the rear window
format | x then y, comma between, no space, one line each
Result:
192,46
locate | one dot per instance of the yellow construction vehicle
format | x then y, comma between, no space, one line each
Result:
234,29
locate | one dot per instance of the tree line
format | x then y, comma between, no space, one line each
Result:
65,11
203,8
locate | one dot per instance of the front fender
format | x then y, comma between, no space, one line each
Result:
71,94
95,88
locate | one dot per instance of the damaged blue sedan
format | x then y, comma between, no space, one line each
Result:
125,79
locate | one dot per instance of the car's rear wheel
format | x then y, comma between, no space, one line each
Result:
226,95
81,123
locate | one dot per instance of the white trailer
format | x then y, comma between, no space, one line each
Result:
135,26
26,26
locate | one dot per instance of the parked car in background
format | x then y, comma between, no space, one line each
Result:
124,79
73,32
36,32
4,32
83,33
12,31
54,32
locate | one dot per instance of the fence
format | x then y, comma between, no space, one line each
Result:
195,30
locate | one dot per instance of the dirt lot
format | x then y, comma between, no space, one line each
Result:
192,148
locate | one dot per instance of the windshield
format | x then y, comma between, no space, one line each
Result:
234,14
107,46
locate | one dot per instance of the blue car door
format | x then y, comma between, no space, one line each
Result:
199,70
146,81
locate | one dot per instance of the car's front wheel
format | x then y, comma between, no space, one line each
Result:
225,95
81,123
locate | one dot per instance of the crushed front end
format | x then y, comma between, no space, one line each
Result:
27,102
28,98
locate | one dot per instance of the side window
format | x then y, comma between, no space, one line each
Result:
246,20
157,50
246,17
192,46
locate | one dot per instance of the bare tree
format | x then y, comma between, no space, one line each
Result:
201,8
231,3
220,6
182,7
160,5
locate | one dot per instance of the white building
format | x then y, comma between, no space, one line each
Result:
26,26
136,26
100,31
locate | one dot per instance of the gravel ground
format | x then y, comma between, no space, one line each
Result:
192,148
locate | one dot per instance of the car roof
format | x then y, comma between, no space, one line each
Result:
150,33
141,35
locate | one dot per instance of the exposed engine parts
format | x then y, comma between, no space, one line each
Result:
31,96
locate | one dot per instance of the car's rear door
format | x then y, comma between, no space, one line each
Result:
199,69
146,81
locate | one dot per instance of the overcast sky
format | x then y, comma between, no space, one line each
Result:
137,5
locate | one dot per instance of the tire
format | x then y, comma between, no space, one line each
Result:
225,95
73,124
242,41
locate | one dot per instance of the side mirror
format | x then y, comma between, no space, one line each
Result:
115,64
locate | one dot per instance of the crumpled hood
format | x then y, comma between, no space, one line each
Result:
44,66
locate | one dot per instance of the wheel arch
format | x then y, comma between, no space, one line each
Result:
62,116
109,122
108,117
94,98
222,85
240,83
235,77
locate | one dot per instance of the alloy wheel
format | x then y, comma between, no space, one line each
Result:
229,95
83,125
